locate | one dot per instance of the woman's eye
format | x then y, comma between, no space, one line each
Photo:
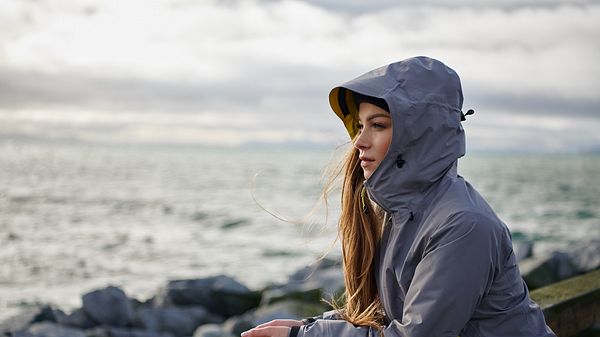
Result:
378,126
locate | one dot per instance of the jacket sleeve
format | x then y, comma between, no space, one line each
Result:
456,270
332,314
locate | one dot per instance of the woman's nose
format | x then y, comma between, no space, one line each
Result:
361,141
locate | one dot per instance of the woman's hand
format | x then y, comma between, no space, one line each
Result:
274,328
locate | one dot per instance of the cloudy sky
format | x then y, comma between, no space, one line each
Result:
230,72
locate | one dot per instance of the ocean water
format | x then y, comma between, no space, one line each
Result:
74,217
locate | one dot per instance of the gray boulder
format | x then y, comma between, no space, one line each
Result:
586,256
305,273
123,332
50,329
544,270
325,275
179,321
238,324
285,310
301,292
77,319
109,306
211,330
523,249
22,320
19,333
221,295
288,309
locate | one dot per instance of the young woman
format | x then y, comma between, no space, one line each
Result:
424,254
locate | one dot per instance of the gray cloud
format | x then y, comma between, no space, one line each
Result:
533,104
29,89
360,7
263,69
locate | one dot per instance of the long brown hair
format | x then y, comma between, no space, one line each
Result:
359,228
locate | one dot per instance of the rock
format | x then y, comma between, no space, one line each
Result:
303,274
238,324
221,295
523,249
50,329
123,332
302,292
586,256
20,333
211,330
109,306
78,319
331,282
541,271
22,320
286,310
179,321
326,275
312,284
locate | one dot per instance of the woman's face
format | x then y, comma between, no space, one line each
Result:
374,137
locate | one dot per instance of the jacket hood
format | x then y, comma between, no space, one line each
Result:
425,101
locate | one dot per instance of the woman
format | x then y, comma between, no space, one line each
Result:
430,258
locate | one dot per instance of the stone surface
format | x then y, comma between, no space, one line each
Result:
123,332
221,295
586,256
51,329
544,270
326,275
108,306
238,324
289,309
303,274
571,306
78,319
20,333
523,249
179,321
22,320
301,292
211,330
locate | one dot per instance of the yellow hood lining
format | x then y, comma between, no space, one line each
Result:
343,104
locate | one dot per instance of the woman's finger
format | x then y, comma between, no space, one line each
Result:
270,323
269,331
281,322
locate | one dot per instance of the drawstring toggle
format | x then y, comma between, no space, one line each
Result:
463,115
363,199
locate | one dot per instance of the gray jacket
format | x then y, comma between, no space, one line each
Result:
446,266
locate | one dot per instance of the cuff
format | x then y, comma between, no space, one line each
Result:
309,320
294,331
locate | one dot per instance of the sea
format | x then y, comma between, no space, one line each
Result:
77,217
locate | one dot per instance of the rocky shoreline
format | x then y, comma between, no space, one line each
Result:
220,306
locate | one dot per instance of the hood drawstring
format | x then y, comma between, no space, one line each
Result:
463,116
363,196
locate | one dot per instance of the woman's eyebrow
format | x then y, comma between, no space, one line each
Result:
378,115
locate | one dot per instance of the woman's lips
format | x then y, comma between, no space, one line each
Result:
365,161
